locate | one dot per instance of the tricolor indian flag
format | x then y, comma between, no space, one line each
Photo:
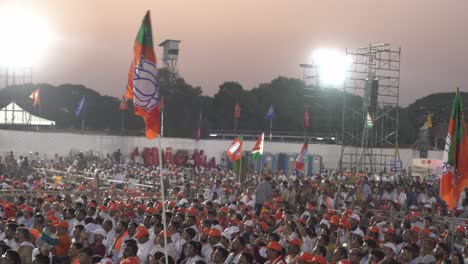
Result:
257,150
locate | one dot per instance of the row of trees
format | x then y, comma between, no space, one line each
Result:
186,108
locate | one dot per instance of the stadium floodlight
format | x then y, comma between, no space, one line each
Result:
25,36
331,65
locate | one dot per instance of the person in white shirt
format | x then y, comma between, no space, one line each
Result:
144,244
161,247
10,233
193,252
237,246
107,225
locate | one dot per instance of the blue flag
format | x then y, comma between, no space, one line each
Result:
80,106
270,115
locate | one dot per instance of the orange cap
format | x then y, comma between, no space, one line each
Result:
141,232
168,234
275,246
296,242
319,259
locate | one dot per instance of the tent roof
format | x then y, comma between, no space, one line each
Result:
13,114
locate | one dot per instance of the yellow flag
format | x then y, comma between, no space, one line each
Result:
428,123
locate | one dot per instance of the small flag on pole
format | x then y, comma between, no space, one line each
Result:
237,111
234,151
306,118
428,123
270,114
80,106
35,97
369,121
123,104
257,150
301,157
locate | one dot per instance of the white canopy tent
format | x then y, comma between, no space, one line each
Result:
13,114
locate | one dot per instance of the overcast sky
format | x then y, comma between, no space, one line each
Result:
253,41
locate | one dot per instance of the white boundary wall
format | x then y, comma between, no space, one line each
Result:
23,142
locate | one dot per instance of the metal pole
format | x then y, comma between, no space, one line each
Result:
83,119
240,168
122,117
161,182
271,126
162,123
235,125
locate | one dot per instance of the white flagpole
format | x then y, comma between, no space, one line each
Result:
240,168
163,198
271,126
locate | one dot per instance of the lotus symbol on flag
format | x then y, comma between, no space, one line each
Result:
146,88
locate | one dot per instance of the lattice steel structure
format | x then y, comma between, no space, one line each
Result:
370,119
320,99
15,76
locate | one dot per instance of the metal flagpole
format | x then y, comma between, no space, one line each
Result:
162,123
122,116
83,119
271,126
240,168
261,164
163,198
235,125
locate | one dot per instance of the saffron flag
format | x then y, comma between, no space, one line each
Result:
454,177
428,123
123,104
80,106
299,163
237,111
270,115
143,87
306,118
257,150
35,97
234,151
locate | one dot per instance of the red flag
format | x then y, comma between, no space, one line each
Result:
299,163
143,87
237,111
123,104
455,170
234,151
306,118
35,96
197,135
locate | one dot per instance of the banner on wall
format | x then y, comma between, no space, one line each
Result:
424,167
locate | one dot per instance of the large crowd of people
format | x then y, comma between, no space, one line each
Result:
208,215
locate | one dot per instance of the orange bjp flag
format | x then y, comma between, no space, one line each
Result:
143,87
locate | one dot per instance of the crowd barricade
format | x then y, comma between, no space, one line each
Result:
94,186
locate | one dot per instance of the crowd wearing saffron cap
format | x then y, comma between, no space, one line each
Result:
212,218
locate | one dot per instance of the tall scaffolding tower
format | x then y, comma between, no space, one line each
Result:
370,123
10,76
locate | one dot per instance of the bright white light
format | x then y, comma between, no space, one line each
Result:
213,135
24,37
332,66
319,138
332,138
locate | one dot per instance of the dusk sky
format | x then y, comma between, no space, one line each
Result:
252,41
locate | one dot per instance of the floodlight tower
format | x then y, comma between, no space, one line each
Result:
170,54
370,123
323,83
